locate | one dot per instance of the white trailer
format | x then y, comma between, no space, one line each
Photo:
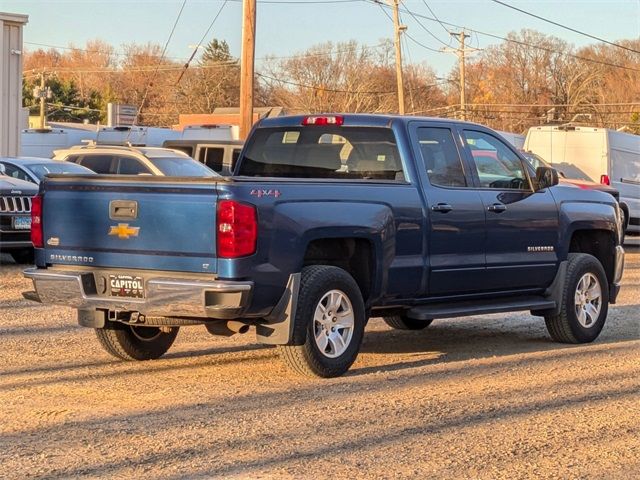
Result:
596,154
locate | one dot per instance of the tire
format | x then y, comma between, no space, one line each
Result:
136,343
400,322
576,324
325,349
23,256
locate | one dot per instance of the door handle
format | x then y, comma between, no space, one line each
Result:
441,207
497,207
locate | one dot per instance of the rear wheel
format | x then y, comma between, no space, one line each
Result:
136,343
401,322
584,303
331,319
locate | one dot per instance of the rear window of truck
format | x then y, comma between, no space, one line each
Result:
323,152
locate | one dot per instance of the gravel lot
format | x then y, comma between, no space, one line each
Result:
485,397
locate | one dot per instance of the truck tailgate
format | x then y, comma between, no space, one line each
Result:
154,223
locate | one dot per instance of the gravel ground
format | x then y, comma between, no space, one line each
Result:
474,398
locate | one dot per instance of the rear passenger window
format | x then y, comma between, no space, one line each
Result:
212,158
441,158
98,163
131,166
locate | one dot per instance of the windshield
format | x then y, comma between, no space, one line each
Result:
182,167
323,152
42,169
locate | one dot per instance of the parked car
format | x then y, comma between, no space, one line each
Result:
15,217
33,169
597,154
122,160
220,156
331,219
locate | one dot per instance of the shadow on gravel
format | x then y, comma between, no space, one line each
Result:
157,421
31,330
443,343
448,342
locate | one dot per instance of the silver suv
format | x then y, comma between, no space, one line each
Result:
129,160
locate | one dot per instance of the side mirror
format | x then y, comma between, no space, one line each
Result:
546,177
3,170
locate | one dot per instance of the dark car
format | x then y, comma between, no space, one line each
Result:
15,217
33,169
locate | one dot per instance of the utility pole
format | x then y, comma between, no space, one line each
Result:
43,100
247,66
461,37
398,29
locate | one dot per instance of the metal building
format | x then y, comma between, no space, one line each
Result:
11,25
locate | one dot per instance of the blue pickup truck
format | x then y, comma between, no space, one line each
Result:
327,221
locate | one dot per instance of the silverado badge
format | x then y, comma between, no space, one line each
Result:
123,230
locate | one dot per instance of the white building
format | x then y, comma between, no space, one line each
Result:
11,25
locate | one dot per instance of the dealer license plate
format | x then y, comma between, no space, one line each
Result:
21,223
126,286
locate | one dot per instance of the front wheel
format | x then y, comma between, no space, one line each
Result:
330,316
584,303
136,343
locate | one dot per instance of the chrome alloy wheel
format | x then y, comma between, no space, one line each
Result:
333,323
588,300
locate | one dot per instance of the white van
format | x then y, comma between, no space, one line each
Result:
596,154
37,142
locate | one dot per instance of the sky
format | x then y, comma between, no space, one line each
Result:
289,28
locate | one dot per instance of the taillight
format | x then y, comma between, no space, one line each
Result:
36,222
605,180
323,120
237,229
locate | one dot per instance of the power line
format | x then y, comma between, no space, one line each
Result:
423,27
539,47
315,87
435,16
406,33
195,50
86,50
332,90
164,50
557,24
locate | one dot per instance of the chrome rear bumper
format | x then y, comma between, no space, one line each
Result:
164,295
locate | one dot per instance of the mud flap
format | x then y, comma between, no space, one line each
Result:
278,326
554,291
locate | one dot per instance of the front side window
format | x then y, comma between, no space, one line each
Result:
323,152
440,156
496,164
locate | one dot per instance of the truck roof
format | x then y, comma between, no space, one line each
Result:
357,119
